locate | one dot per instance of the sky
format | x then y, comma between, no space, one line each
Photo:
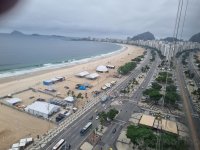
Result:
98,18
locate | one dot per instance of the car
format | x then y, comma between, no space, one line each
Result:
91,118
97,117
114,130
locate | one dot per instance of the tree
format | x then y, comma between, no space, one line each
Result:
196,92
79,95
140,134
145,138
157,86
153,94
171,141
171,88
171,98
103,116
163,76
112,113
72,92
125,69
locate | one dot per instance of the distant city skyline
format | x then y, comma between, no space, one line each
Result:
112,18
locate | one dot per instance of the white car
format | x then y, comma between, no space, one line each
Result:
97,117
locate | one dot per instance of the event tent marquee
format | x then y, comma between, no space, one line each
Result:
43,109
102,69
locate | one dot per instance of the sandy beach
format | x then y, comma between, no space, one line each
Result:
9,118
30,80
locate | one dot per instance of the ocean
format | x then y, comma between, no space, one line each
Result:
25,54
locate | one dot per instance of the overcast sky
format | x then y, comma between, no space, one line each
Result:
108,18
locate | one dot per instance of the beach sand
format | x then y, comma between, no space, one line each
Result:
34,79
15,125
10,119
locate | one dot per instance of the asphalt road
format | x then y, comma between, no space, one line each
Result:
188,108
191,66
127,109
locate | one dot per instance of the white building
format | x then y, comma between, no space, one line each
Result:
13,101
42,109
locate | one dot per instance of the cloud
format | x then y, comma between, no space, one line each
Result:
114,18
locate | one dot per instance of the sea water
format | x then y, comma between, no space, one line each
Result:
24,54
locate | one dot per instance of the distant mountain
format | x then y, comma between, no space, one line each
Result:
15,32
144,36
195,38
170,39
18,33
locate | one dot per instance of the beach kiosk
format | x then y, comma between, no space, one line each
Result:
47,82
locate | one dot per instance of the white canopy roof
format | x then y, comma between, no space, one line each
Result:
102,68
92,76
113,82
104,87
22,144
82,74
42,107
59,77
108,85
29,139
16,145
13,101
69,99
54,79
23,141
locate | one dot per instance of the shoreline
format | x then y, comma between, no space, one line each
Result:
16,83
40,70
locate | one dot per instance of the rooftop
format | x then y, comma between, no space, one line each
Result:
43,107
169,126
147,120
13,101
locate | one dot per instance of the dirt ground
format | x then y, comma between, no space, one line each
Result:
15,125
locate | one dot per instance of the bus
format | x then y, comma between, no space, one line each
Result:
59,145
86,128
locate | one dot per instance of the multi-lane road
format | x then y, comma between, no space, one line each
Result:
192,68
188,107
72,132
128,108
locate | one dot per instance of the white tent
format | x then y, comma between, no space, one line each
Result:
13,101
102,69
69,99
104,87
92,76
82,74
43,109
16,145
108,85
